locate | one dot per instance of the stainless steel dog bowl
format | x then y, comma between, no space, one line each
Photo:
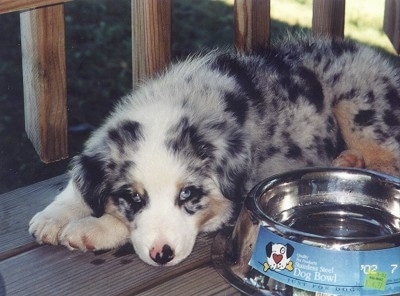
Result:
320,231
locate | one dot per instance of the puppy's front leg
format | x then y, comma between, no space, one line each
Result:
91,233
68,206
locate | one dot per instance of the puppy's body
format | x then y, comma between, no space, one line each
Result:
177,156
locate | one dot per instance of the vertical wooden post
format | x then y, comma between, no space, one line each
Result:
151,37
328,18
44,76
391,23
252,24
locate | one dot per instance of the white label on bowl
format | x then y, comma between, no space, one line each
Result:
373,272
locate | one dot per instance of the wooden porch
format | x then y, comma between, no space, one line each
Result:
29,269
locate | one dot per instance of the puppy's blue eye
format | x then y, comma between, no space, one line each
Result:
136,197
185,193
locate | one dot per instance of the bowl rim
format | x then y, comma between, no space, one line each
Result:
346,243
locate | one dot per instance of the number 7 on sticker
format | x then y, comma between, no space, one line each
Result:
394,267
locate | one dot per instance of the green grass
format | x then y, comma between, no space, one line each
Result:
364,22
363,19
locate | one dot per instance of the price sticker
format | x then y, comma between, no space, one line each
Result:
376,280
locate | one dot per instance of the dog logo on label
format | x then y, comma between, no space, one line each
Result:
278,257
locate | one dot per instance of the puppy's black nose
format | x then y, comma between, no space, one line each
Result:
163,256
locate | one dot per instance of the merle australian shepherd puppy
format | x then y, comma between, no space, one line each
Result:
177,156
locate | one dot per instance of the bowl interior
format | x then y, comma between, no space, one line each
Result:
334,204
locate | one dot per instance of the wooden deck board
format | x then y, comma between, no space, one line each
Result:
29,269
17,208
198,282
50,270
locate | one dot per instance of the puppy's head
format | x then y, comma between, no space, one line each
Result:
168,179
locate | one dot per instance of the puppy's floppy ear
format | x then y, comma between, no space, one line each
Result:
89,175
289,250
268,249
231,183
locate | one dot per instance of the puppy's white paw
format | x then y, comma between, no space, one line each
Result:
92,233
45,227
349,158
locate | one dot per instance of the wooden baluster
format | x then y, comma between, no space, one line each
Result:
252,24
44,75
391,23
328,18
151,37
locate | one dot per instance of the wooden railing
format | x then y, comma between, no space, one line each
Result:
391,22
44,74
43,52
